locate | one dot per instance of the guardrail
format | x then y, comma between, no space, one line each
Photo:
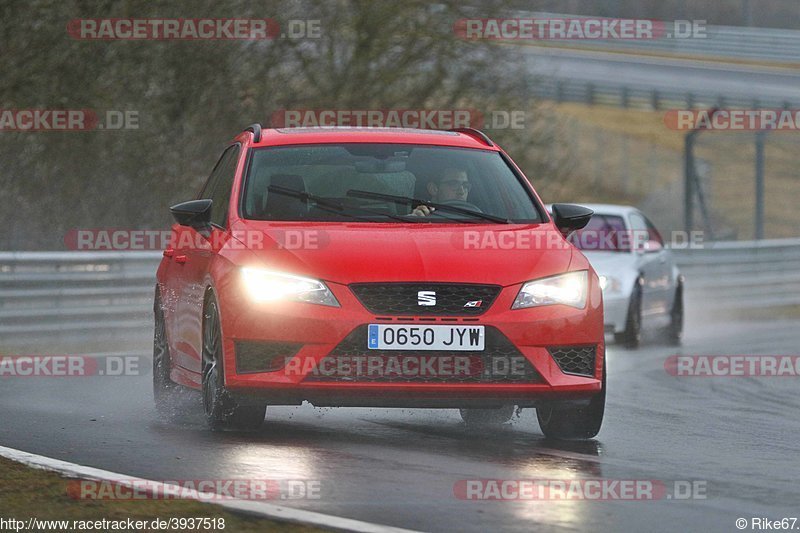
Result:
743,275
86,296
720,43
643,96
91,296
735,42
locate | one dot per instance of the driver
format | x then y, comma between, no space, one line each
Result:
453,186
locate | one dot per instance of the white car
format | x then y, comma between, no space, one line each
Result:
642,287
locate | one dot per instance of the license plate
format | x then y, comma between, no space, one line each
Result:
406,337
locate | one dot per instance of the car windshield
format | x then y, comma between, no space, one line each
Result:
604,233
384,183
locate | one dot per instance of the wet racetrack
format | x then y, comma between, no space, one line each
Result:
738,436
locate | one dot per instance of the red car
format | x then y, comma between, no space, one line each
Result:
378,267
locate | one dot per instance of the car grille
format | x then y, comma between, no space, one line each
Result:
578,360
252,357
404,299
500,362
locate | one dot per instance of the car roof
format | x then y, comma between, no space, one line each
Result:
330,135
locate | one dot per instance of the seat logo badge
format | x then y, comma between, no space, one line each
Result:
473,303
426,298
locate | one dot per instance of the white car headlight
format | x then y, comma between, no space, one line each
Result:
609,283
267,285
568,289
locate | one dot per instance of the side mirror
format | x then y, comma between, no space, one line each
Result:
570,217
194,213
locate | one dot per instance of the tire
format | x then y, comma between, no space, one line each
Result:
674,332
167,395
632,336
574,423
221,409
487,417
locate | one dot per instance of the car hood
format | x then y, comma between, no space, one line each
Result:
368,252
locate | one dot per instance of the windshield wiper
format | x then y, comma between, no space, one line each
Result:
331,206
407,200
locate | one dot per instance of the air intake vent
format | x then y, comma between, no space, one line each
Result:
577,360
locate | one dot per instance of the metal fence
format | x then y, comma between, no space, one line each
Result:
624,168
102,296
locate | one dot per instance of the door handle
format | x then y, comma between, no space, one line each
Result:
169,252
180,259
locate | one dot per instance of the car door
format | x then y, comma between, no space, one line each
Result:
646,262
663,285
193,255
652,263
176,276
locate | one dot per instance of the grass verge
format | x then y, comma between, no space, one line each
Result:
29,492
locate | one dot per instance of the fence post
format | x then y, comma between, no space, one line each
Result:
688,181
759,222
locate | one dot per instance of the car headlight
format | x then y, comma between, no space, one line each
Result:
268,286
609,282
568,289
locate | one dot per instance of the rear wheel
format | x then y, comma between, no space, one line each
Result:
574,423
632,336
487,417
221,409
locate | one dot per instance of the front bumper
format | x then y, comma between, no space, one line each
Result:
615,310
317,330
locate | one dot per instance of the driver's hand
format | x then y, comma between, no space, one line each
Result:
422,210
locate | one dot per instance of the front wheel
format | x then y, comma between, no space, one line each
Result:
674,332
487,417
574,423
220,408
632,336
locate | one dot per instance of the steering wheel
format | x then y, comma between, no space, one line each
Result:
455,203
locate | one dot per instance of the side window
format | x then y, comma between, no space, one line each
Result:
220,185
205,192
639,232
